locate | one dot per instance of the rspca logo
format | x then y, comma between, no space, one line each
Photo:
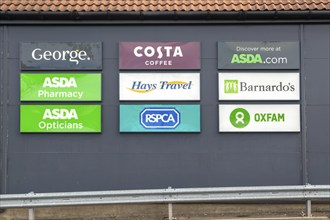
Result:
160,118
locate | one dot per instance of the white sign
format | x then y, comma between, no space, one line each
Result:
159,86
259,86
259,118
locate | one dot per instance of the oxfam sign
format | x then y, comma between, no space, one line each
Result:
258,55
259,118
61,56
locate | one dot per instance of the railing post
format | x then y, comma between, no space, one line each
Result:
309,208
170,211
170,207
31,213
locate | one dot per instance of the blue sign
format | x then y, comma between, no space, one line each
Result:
159,118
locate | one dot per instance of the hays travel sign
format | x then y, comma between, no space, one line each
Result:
159,55
258,55
259,86
159,86
159,118
61,56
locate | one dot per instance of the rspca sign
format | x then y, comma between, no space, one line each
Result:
159,118
259,55
159,86
164,118
259,118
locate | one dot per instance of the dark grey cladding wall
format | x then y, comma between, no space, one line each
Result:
110,161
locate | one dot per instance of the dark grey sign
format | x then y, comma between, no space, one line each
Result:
258,55
61,56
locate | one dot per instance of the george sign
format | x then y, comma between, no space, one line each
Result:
259,118
258,55
60,118
159,118
159,86
61,56
60,87
159,55
259,86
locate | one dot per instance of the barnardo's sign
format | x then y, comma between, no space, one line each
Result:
159,55
259,118
60,118
259,86
159,118
61,56
60,87
258,55
159,86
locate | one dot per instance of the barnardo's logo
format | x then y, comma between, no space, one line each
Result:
231,86
141,87
160,118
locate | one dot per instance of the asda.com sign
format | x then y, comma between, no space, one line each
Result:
259,118
259,86
258,55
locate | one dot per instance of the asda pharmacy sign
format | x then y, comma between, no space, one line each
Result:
159,118
159,86
258,55
259,118
259,86
61,56
60,87
60,118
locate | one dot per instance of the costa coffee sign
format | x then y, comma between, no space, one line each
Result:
61,56
159,55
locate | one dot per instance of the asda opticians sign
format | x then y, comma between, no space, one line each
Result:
60,118
159,55
159,118
259,118
258,55
60,87
61,56
159,86
259,86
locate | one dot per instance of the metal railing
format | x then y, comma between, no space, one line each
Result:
169,196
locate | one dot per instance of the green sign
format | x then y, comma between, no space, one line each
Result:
239,118
60,118
60,87
160,118
231,86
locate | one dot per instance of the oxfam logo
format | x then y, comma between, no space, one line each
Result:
239,118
